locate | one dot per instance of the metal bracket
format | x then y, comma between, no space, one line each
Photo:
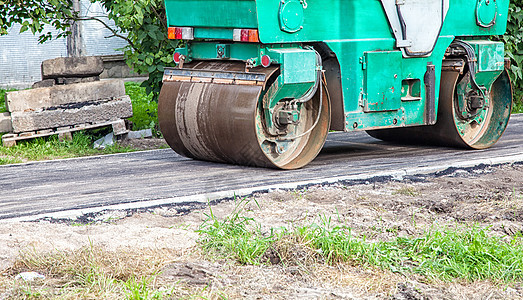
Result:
403,43
430,97
363,63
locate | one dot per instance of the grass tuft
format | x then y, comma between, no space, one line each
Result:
236,235
441,253
469,254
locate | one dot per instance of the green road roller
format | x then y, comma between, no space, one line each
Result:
262,82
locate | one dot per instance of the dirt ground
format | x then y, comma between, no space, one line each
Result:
381,210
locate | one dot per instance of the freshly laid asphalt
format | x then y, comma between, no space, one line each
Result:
72,187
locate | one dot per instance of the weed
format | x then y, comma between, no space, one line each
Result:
9,160
393,229
413,218
361,198
298,194
138,289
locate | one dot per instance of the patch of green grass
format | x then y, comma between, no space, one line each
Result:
145,109
52,148
441,253
469,254
139,288
2,99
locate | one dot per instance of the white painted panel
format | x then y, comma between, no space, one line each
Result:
423,20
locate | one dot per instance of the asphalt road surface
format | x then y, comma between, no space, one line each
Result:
72,187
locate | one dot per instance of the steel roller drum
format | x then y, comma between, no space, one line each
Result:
217,120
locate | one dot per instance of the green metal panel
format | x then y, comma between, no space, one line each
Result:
212,13
486,12
239,51
382,87
326,20
297,65
291,15
461,19
490,55
322,20
352,70
213,33
490,61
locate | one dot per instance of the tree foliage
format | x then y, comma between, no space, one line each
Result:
35,14
513,40
149,50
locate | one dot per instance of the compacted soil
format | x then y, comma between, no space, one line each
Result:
379,210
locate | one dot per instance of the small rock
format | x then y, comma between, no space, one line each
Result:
84,66
29,276
106,141
140,134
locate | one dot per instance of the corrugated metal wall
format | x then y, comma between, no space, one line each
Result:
21,55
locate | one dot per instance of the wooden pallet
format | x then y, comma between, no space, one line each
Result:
64,133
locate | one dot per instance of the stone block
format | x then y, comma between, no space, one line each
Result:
5,122
89,112
57,95
72,80
140,134
84,66
43,83
119,127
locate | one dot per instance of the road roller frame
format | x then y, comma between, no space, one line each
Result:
378,63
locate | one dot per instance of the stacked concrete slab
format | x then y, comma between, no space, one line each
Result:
69,96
